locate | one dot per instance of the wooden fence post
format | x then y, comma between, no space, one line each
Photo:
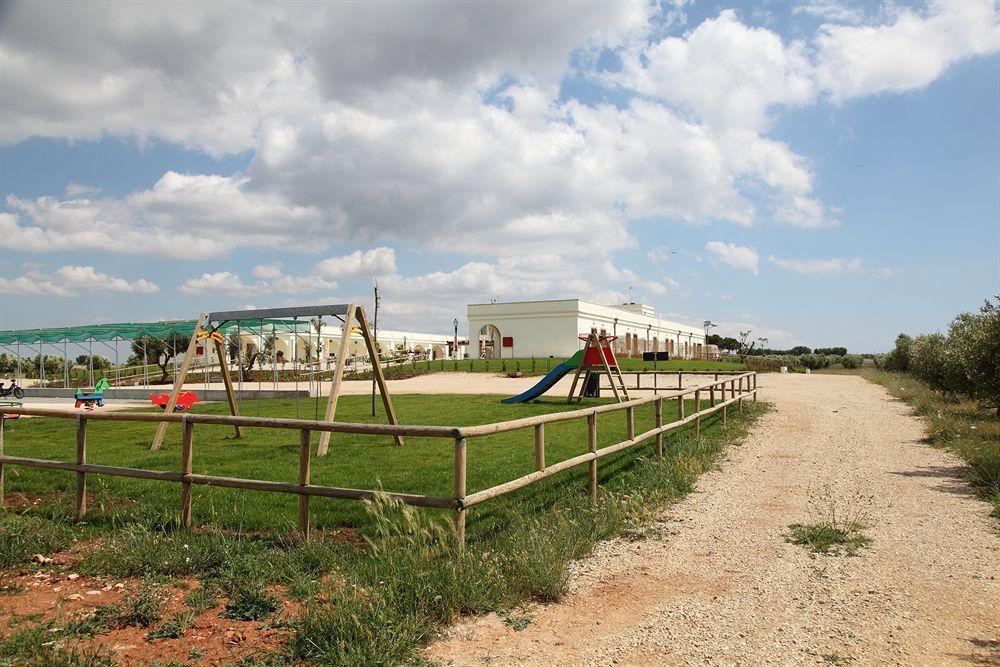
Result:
305,453
659,423
697,412
680,379
187,453
540,447
711,396
680,407
755,387
629,423
81,459
741,395
461,454
1,465
592,448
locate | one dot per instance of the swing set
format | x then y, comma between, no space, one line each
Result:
208,326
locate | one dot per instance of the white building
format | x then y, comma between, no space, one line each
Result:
551,328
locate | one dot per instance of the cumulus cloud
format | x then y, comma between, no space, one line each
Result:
907,54
273,278
736,256
830,266
361,263
726,72
182,215
72,281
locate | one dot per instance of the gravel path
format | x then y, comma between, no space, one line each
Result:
720,585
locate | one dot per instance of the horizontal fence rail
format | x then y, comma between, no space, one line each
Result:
719,394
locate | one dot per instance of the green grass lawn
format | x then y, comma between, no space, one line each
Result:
423,465
542,365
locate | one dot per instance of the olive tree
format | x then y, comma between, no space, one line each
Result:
975,340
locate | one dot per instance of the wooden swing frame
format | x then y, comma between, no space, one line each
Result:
351,314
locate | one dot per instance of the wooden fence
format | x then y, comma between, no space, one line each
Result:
719,395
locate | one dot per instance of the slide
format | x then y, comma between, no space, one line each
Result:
546,382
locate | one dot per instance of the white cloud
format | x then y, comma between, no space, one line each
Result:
76,189
830,10
183,216
830,266
908,54
736,256
205,76
71,281
268,271
219,282
272,277
728,73
362,263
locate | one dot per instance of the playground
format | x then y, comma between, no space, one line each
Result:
184,490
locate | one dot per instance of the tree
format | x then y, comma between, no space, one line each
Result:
932,360
100,363
800,349
975,339
159,351
729,343
899,358
744,337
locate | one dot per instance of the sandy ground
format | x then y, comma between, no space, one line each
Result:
718,583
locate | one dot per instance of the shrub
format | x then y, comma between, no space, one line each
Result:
814,362
851,361
899,358
975,339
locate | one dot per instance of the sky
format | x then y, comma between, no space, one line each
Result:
820,173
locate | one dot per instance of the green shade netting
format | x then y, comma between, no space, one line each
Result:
134,330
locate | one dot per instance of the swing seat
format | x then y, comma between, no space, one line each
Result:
184,400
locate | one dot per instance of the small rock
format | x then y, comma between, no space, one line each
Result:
93,592
39,558
74,596
73,577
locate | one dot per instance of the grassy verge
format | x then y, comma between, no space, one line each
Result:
957,425
380,579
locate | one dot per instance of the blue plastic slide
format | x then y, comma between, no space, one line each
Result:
548,381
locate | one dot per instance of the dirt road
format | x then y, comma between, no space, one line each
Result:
719,584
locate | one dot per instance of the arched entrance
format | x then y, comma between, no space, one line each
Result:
490,342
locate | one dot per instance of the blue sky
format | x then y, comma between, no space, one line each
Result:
822,173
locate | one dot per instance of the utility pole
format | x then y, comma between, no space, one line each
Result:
454,351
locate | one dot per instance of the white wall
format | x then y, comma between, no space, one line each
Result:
550,328
539,328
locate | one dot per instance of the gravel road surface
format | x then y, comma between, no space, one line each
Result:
719,584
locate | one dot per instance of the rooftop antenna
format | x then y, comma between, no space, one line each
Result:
630,294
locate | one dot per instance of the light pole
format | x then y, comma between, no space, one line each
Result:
455,350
